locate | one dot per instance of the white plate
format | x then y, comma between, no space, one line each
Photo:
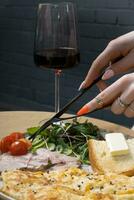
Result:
3,196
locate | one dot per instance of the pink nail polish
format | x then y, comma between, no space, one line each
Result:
108,74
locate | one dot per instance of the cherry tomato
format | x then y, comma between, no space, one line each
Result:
3,147
5,144
27,142
18,148
0,145
16,136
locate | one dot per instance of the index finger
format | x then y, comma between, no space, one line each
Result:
101,62
107,96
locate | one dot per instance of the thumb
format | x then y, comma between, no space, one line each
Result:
110,53
101,85
123,65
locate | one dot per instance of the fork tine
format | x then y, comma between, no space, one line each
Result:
65,108
44,126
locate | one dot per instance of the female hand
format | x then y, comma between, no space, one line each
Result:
120,95
120,52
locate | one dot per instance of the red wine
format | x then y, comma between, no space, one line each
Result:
57,58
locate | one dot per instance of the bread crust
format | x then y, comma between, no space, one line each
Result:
92,157
96,165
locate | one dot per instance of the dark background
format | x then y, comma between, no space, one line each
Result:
23,86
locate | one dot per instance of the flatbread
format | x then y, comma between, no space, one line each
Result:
71,184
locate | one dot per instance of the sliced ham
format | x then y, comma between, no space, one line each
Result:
34,161
9,162
62,161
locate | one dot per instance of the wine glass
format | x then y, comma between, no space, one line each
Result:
56,40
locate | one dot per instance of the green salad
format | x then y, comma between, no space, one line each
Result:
68,138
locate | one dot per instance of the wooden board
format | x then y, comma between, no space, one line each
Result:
20,120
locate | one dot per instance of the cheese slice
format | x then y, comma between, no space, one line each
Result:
117,144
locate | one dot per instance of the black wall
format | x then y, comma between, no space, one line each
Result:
23,86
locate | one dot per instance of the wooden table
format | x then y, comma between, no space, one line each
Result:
20,120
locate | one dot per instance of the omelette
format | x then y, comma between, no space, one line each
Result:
69,184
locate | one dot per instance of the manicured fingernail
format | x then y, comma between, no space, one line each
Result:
85,109
82,85
108,74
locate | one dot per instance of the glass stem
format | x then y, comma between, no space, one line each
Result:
57,90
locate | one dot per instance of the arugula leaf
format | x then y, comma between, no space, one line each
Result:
32,130
69,138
